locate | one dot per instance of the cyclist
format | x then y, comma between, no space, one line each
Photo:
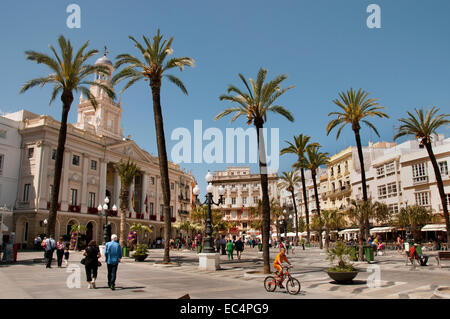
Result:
277,264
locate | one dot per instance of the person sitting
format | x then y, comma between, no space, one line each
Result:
414,251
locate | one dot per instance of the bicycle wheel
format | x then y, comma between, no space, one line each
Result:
293,286
270,283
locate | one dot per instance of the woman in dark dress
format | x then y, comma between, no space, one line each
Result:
92,253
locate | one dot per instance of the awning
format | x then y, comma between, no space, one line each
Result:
350,230
382,230
434,227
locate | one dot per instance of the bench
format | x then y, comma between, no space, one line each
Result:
442,255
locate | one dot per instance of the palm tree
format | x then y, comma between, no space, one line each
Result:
140,229
152,68
415,217
255,104
288,181
355,109
75,232
313,160
422,126
127,172
332,220
299,146
360,211
68,74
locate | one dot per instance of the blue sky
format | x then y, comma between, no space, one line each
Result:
323,46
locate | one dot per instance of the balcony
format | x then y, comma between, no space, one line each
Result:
139,216
183,212
23,204
420,180
152,217
112,213
173,219
74,208
343,191
92,210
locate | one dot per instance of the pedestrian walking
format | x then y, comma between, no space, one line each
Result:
303,243
50,246
223,244
217,242
66,254
230,248
113,256
37,243
92,254
239,246
60,251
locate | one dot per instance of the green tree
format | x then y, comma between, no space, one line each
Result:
415,217
69,74
360,211
355,108
140,229
77,230
255,104
422,125
312,161
153,68
127,172
301,143
288,181
332,220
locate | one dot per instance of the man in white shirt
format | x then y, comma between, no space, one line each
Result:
50,246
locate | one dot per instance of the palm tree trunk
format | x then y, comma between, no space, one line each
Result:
440,184
265,199
305,200
313,173
327,240
296,218
360,241
124,195
163,164
67,99
363,178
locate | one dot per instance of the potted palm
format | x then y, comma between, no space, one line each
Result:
343,271
141,252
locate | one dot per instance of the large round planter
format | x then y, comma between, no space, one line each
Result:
140,257
343,277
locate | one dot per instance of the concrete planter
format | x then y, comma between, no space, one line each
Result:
140,257
343,277
442,292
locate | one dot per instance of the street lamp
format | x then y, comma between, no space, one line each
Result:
104,208
208,243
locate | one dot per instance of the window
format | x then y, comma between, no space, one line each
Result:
422,198
447,198
53,154
171,211
233,200
30,152
255,199
76,160
390,168
419,173
50,192
339,169
443,168
151,209
244,200
73,196
137,180
256,184
161,210
152,180
91,199
2,160
3,133
392,189
93,165
393,208
26,192
346,165
233,185
244,185
172,186
382,191
380,171
332,171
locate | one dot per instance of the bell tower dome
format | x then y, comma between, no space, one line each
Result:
105,120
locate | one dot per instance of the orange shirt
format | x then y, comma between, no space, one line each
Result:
279,259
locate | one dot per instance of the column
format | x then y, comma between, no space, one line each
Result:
64,190
102,189
117,186
144,182
42,188
157,193
130,200
84,185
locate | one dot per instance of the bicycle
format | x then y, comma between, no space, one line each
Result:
293,286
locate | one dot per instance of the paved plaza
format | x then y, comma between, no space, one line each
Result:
28,278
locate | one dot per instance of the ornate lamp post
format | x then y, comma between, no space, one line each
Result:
209,241
104,208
